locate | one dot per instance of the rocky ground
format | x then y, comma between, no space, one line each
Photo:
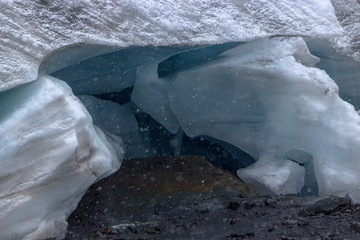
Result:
186,197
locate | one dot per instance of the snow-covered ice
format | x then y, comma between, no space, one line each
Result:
31,30
344,70
50,154
267,98
348,15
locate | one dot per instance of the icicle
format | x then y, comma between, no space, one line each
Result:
176,142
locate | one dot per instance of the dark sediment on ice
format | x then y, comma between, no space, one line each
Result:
185,197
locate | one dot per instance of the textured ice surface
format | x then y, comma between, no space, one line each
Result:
252,97
30,30
150,91
106,73
50,154
267,98
344,70
118,120
113,72
348,14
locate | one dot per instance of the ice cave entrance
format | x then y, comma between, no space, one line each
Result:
104,78
188,100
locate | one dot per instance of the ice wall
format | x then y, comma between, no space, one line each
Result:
118,120
50,154
31,30
267,98
348,14
343,69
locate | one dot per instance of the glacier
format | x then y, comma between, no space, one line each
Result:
49,157
84,84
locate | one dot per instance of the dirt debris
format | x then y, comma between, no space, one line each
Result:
146,199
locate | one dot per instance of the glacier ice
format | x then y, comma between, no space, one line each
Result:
31,30
348,15
51,153
223,72
265,97
149,91
118,120
310,187
267,103
344,70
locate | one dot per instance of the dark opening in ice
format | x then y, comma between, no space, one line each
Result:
110,78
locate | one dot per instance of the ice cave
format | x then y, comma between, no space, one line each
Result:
268,90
